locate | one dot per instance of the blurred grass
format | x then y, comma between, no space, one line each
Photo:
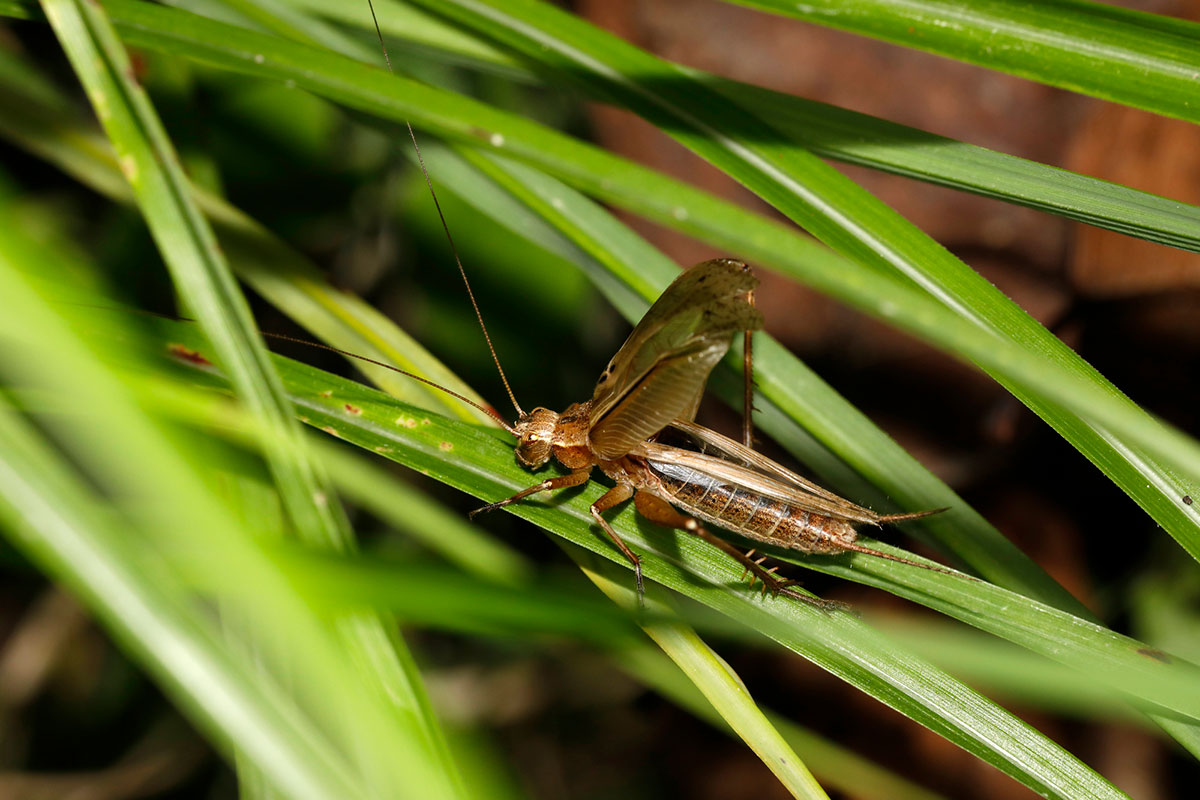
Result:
283,157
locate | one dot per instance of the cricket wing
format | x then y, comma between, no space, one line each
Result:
659,373
733,463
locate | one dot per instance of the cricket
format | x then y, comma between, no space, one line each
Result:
646,397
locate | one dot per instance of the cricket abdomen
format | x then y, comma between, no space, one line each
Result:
753,515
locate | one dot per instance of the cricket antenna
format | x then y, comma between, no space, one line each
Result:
453,248
491,412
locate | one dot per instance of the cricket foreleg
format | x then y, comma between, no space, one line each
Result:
577,478
663,513
614,497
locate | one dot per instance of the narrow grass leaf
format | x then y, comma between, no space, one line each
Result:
709,673
1132,57
207,285
844,135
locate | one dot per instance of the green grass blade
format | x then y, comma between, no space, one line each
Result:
207,285
1131,57
1107,655
709,673
849,136
835,766
188,245
159,531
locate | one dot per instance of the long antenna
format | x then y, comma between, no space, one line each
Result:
491,412
453,248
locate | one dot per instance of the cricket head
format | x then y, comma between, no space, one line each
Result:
535,435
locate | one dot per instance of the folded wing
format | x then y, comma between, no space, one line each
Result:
732,462
659,374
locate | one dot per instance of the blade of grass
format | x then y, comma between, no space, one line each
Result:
207,285
1132,57
1113,660
188,246
842,135
708,672
837,767
481,464
187,530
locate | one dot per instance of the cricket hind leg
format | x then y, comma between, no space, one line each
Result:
661,512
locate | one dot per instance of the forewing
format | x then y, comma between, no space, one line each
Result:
738,465
671,388
659,373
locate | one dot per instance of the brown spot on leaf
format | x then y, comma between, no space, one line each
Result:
353,410
1187,500
445,447
331,431
1155,653
187,354
327,393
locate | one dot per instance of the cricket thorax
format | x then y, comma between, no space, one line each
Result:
570,443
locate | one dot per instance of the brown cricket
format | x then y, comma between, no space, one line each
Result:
650,391
653,385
